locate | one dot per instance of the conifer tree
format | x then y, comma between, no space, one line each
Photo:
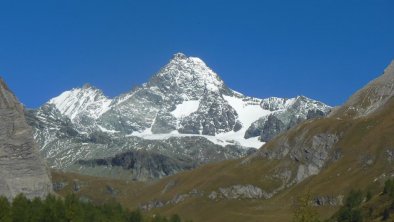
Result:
20,210
5,210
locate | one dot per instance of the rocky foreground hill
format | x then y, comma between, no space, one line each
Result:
327,157
184,116
22,169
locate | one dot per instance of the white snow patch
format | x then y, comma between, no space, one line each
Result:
248,111
219,140
107,130
186,108
238,138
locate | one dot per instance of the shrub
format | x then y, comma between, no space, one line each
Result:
351,211
386,214
354,199
389,188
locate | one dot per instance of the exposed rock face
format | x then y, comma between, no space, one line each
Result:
332,201
164,123
142,165
390,155
310,153
22,170
178,198
152,205
286,113
238,192
266,128
317,152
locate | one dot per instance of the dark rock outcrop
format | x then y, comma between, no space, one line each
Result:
331,201
143,165
310,154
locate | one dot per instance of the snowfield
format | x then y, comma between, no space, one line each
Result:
186,108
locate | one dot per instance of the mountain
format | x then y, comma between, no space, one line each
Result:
324,158
371,97
22,168
184,112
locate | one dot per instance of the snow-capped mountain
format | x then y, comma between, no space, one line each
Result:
84,101
184,101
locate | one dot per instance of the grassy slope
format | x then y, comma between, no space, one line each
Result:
361,138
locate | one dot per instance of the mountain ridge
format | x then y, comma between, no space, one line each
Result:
369,98
174,81
184,100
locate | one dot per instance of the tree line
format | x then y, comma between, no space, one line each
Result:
70,209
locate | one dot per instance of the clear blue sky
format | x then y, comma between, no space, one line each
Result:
323,49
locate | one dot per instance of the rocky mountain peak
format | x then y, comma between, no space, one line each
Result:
184,72
87,86
275,103
78,100
179,56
